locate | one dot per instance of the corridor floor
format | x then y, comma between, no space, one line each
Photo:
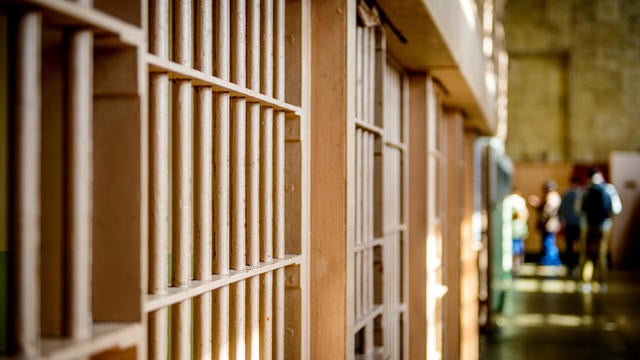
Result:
547,316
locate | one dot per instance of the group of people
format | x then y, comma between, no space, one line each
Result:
582,213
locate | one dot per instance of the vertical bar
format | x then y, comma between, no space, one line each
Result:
372,73
253,180
221,182
366,150
359,63
159,207
26,198
203,224
358,225
266,180
368,259
279,168
371,139
158,324
266,136
182,179
159,178
79,170
238,197
365,74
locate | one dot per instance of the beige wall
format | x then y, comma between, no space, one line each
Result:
598,39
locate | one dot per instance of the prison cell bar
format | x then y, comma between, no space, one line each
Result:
182,164
253,180
203,224
27,179
221,181
79,170
238,197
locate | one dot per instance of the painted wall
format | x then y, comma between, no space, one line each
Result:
574,87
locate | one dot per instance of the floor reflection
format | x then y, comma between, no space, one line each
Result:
549,315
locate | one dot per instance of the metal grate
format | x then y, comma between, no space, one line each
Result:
236,241
171,154
380,252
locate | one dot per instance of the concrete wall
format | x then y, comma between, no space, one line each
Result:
574,87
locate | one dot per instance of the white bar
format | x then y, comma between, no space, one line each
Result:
371,139
175,295
266,316
366,63
159,28
79,166
203,224
182,32
253,318
359,54
204,219
359,184
279,30
253,181
181,330
182,177
222,182
238,138
278,185
27,179
159,182
182,210
266,184
203,184
204,36
278,324
159,174
158,334
237,348
358,225
372,74
266,47
182,163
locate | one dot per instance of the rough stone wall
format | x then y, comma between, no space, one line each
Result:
574,87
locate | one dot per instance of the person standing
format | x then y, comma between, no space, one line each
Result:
570,215
548,222
600,202
519,229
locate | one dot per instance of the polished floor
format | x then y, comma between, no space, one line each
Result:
547,315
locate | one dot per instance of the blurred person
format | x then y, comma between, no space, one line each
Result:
519,228
570,215
548,222
599,203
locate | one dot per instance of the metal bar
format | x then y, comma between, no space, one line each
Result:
266,316
266,180
158,325
221,182
26,226
359,64
79,190
159,174
253,181
238,172
159,28
279,180
198,78
203,225
182,130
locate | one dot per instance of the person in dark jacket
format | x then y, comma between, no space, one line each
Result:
570,215
598,206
